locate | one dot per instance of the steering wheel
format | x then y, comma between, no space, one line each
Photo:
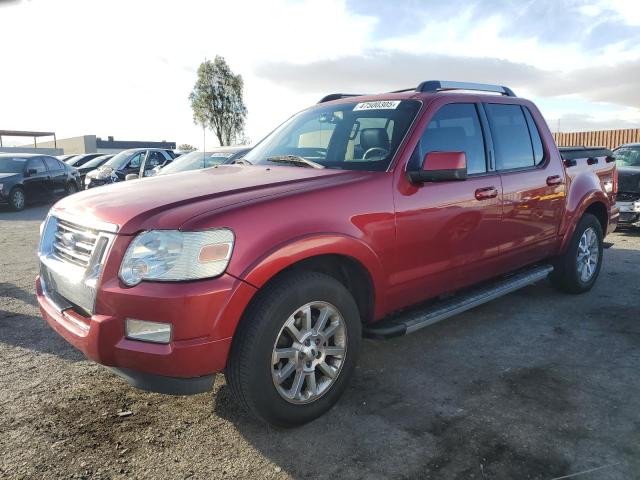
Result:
384,151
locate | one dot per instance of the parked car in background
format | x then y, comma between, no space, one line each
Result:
198,160
92,165
375,214
26,178
80,160
628,199
140,161
66,158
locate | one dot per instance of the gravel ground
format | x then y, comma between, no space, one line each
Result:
536,385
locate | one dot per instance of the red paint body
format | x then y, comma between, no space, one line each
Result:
414,241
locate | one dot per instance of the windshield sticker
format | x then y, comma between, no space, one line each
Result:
380,105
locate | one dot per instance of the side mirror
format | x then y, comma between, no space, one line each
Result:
131,176
30,172
441,167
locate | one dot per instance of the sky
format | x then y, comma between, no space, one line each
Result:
125,68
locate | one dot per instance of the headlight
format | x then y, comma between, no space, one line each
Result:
171,255
1,187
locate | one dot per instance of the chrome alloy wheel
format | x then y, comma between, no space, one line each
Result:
18,199
309,352
588,255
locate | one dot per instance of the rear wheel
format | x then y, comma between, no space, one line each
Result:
296,349
17,199
578,269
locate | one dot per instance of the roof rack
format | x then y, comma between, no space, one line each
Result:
338,96
442,85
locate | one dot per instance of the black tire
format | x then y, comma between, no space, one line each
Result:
249,370
566,276
17,199
71,188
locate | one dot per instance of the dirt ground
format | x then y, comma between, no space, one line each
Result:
536,385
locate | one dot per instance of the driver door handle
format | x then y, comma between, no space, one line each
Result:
486,193
554,180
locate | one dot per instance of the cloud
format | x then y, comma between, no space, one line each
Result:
385,71
594,25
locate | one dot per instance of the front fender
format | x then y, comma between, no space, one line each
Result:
285,255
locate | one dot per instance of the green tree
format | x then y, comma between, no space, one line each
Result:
185,147
216,101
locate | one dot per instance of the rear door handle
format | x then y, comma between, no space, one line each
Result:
486,193
554,180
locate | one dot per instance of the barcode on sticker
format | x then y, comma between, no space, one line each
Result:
379,105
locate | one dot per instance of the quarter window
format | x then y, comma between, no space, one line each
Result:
538,153
511,138
456,128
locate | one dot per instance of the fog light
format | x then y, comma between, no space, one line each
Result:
145,331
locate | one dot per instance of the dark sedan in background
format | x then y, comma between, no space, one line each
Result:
628,198
82,159
26,178
93,165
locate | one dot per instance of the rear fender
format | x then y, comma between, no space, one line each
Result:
577,204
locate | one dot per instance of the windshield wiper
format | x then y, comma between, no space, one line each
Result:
295,160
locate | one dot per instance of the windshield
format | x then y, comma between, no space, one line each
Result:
627,156
347,136
96,162
117,161
12,165
195,160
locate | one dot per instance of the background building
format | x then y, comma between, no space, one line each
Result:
93,144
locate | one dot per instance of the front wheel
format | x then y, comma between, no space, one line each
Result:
296,348
577,270
71,188
17,199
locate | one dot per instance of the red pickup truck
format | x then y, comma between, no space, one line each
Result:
372,215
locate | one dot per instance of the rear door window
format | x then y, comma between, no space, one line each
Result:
52,164
456,128
511,138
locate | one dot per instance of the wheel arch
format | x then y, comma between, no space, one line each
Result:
344,258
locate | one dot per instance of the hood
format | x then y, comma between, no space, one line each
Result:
629,179
167,201
7,176
102,171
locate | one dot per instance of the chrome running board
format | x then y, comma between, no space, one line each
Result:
414,319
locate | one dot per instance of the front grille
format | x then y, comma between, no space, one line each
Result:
627,197
73,243
72,254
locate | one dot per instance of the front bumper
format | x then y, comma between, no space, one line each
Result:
629,213
203,315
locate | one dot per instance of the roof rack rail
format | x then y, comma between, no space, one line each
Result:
338,96
441,85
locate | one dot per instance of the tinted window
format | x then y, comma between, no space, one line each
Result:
510,135
538,152
456,128
52,164
36,164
